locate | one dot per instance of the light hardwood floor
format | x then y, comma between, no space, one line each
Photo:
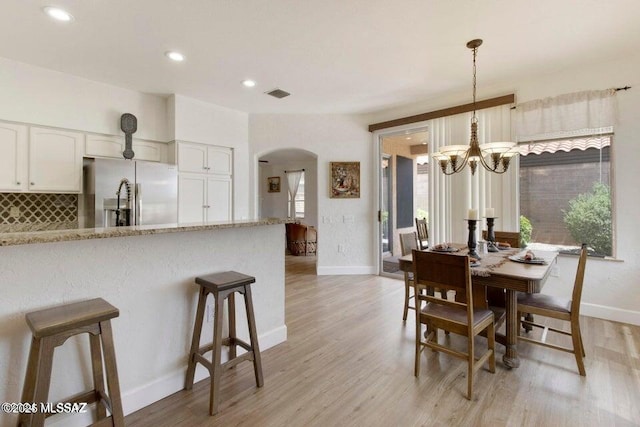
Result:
349,361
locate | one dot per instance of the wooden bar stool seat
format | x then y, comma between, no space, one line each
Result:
51,328
223,286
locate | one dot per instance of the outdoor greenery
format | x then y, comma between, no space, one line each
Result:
525,231
589,219
421,213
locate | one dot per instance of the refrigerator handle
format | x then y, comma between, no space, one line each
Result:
138,209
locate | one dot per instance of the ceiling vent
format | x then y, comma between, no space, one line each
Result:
278,93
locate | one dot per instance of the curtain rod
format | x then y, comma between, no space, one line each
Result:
458,109
299,170
616,89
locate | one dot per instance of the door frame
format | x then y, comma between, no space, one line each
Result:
377,138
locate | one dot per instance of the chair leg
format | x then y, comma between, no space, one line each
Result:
253,336
214,394
491,338
30,380
98,374
195,342
406,297
113,383
529,318
577,347
43,375
231,305
416,368
470,362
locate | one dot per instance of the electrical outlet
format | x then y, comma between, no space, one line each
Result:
14,212
340,249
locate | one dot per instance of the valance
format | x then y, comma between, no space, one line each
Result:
565,113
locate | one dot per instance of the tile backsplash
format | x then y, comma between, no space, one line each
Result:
37,211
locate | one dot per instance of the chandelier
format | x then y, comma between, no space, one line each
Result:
453,158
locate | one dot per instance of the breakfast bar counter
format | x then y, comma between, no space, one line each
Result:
148,274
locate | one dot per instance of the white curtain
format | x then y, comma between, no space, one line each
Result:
573,112
451,196
293,179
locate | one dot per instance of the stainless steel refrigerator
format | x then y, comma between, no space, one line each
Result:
118,192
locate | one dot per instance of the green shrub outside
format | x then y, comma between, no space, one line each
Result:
525,231
589,219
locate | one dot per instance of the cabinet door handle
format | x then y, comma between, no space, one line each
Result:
18,183
32,183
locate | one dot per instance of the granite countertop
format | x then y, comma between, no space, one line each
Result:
24,238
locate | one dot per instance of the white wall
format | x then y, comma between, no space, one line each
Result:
611,288
36,95
197,121
331,138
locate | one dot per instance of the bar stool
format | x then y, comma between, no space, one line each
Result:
223,286
51,328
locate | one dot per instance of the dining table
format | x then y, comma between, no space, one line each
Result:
497,270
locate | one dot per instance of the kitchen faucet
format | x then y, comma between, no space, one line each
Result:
123,182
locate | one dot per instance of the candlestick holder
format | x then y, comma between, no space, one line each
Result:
491,237
471,243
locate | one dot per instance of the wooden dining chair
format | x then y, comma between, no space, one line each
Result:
447,271
558,308
510,237
408,242
423,233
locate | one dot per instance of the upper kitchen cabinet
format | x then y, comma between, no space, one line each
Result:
113,146
55,160
201,158
13,157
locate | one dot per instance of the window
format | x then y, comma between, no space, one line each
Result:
299,200
565,194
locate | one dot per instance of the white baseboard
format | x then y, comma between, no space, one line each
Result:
610,313
145,395
346,270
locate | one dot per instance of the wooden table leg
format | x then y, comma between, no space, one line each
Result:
510,357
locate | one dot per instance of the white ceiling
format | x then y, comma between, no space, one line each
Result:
334,56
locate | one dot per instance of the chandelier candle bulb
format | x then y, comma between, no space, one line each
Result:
472,214
489,213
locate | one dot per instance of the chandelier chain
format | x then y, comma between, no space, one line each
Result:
475,52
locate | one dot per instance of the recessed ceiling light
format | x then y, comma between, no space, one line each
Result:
248,83
175,56
58,14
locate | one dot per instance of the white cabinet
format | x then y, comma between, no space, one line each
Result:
113,146
55,160
201,158
13,157
205,190
204,198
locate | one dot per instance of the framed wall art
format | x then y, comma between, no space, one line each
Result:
345,180
274,184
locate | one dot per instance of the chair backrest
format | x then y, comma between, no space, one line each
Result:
510,237
577,285
444,271
423,232
408,242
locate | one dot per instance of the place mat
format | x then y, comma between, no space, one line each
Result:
490,261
